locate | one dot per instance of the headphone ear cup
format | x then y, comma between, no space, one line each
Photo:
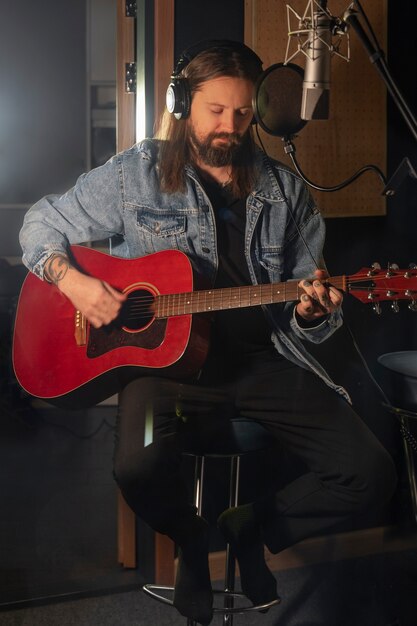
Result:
178,98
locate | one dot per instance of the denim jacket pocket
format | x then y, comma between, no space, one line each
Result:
162,231
272,261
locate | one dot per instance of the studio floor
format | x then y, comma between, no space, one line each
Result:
373,591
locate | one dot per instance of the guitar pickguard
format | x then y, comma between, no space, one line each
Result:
107,338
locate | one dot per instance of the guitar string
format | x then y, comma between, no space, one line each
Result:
144,301
235,295
141,303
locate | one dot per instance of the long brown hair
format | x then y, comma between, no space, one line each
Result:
175,153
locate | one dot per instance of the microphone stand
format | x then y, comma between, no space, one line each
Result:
376,56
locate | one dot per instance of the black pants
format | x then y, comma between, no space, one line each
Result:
348,470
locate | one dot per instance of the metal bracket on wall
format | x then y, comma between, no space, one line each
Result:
130,77
131,9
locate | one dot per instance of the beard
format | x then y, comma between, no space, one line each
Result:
231,152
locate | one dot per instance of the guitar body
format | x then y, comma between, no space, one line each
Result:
48,361
61,358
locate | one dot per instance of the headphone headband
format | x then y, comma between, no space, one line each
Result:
191,52
178,96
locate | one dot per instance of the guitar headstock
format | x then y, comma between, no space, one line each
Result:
375,285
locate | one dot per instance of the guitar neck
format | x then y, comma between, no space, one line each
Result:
209,300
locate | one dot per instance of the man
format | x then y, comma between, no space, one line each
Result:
203,187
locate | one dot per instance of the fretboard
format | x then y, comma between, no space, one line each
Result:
231,298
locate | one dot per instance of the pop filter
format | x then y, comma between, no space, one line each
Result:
277,100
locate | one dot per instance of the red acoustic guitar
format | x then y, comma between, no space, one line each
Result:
59,357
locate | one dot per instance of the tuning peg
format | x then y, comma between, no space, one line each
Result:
395,307
391,268
412,266
375,268
376,307
413,306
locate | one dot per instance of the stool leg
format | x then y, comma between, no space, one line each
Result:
198,484
198,500
229,582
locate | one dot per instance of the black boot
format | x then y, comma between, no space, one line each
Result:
193,596
242,530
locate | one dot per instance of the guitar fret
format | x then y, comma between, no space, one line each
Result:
226,298
270,294
233,297
189,300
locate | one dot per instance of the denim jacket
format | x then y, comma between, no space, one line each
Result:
122,200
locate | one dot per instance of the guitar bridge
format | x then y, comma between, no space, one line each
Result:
80,328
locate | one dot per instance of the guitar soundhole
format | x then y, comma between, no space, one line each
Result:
137,310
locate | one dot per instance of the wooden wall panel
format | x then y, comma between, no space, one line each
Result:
164,51
126,102
329,151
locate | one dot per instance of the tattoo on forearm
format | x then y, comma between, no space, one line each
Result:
57,267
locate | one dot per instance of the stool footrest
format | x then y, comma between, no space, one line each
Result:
162,593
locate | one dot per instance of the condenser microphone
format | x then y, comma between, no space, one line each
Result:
316,85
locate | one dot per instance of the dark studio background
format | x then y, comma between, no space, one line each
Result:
58,515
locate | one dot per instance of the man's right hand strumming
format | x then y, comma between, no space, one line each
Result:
95,298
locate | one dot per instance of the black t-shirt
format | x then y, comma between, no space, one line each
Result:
242,332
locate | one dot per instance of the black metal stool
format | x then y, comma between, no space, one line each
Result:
247,436
403,378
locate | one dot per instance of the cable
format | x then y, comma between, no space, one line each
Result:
300,234
409,437
290,150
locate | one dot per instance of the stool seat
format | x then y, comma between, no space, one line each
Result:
244,436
